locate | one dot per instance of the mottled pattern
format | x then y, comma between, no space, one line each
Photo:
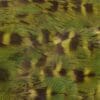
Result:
49,50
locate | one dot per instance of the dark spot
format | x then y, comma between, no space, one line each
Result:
88,7
4,3
41,61
54,6
65,6
48,72
38,1
4,75
46,34
53,93
25,74
62,72
41,94
15,39
95,35
1,36
74,43
59,49
91,74
64,36
99,28
79,74
26,64
88,26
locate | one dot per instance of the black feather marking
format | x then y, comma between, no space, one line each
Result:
79,74
74,43
77,5
41,61
46,36
34,40
4,75
63,36
24,22
26,64
92,45
77,2
41,94
65,6
77,8
1,39
22,15
24,1
38,1
15,39
53,93
54,6
59,49
91,74
62,72
89,7
48,72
